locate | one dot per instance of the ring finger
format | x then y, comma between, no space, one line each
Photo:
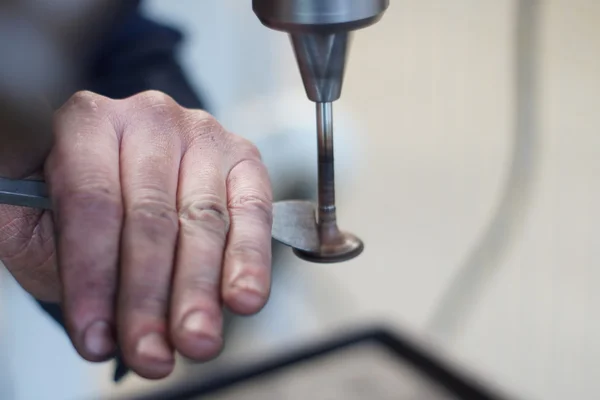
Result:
196,318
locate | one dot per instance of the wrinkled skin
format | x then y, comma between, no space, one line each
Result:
160,218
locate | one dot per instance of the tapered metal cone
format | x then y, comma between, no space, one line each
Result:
322,61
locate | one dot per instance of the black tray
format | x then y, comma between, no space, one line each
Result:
373,365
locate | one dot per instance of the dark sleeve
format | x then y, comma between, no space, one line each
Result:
139,55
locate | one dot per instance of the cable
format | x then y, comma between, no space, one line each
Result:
483,262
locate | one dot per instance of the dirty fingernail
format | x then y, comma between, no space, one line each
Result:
98,339
154,347
200,324
202,336
249,291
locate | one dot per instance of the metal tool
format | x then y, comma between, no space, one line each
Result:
320,32
32,194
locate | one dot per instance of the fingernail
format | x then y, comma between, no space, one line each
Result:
249,283
200,324
249,291
98,339
202,335
153,346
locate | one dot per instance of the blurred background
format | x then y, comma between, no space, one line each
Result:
469,164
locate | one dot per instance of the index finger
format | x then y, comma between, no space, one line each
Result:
83,177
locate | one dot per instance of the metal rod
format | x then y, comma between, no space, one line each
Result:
326,184
334,245
24,193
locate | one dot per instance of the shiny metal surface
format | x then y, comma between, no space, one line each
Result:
23,193
322,62
295,225
320,32
312,231
345,248
327,211
295,16
334,245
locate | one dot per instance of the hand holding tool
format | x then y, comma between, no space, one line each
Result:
320,32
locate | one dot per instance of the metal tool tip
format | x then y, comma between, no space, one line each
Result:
345,248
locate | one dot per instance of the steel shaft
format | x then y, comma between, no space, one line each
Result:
326,170
320,32
334,245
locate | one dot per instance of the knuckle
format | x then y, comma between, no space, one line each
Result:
85,99
202,115
83,102
207,212
95,199
248,150
254,204
201,127
251,200
155,110
244,150
156,218
154,99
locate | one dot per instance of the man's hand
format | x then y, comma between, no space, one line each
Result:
161,217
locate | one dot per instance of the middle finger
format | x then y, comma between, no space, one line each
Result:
150,159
